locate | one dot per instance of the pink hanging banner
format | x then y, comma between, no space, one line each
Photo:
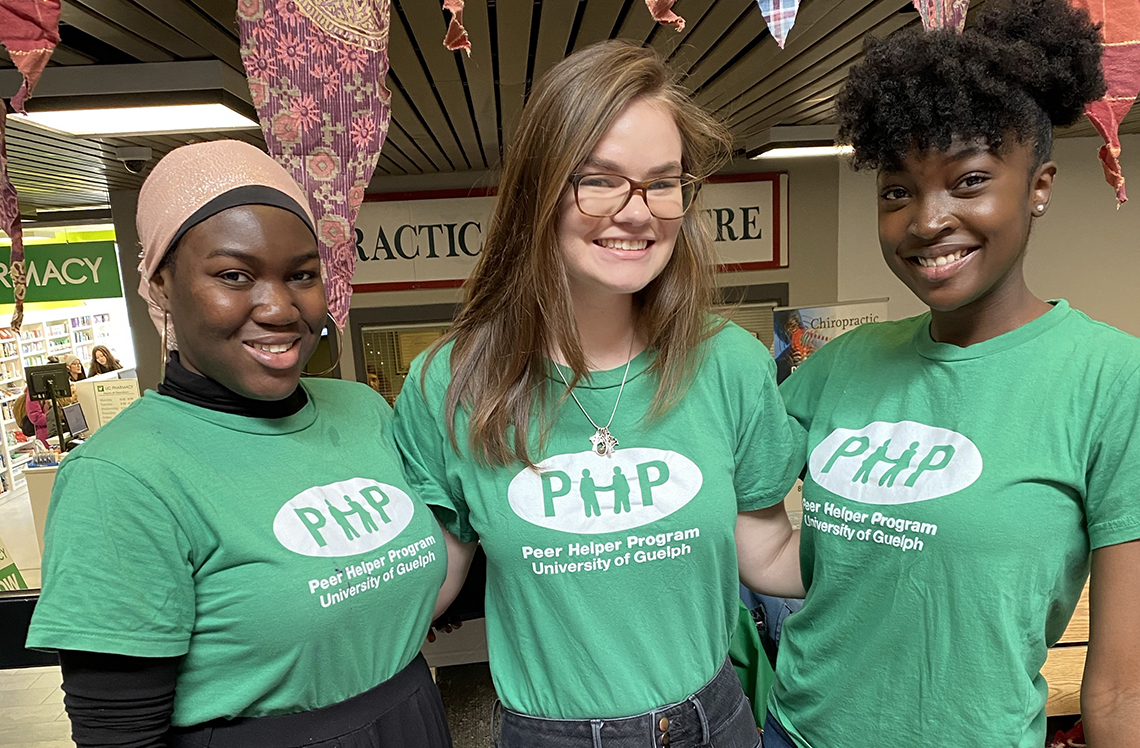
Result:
29,29
662,12
943,14
1120,26
456,38
316,73
780,15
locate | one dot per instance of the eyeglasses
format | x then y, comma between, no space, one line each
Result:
604,195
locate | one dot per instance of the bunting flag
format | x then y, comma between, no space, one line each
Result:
316,74
456,38
662,12
1120,26
943,14
29,29
780,15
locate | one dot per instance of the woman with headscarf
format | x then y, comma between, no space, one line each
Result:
226,564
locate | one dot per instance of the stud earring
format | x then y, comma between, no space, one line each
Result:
1040,208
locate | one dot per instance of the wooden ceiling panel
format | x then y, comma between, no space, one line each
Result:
637,24
598,23
409,75
554,27
190,21
426,25
512,35
127,15
479,78
111,33
708,32
419,131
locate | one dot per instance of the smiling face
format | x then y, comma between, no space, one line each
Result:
953,225
621,254
244,294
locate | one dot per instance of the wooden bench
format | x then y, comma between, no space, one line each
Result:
1066,663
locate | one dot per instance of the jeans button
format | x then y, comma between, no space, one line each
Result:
665,738
663,724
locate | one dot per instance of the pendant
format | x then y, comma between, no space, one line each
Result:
604,442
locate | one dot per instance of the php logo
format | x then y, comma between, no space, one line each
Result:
895,463
343,519
587,493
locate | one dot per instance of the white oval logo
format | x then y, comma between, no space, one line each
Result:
343,519
895,463
586,493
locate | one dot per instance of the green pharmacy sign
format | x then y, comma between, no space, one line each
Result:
65,272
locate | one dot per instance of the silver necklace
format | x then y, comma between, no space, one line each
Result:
603,442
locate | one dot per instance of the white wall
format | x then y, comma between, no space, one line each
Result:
1083,249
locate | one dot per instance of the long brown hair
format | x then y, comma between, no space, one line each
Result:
97,368
518,306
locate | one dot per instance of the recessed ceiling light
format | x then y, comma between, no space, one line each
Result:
805,152
141,120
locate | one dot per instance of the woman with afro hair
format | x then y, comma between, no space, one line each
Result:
966,467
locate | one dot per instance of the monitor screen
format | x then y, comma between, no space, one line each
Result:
76,423
47,380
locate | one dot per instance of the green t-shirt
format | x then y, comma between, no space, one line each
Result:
612,581
287,559
950,504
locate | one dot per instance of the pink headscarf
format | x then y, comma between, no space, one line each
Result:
187,179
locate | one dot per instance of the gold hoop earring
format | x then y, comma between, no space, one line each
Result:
339,351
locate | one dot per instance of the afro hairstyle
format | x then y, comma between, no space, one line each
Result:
1025,67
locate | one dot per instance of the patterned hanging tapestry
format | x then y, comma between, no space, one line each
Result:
1120,27
29,29
943,14
316,73
780,15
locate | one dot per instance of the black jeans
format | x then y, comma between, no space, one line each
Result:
717,716
404,711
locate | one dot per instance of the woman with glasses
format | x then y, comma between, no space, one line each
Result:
614,446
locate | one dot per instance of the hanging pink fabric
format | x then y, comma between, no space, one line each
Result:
316,73
780,15
662,12
943,14
456,38
30,30
1120,21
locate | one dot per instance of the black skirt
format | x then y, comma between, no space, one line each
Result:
403,712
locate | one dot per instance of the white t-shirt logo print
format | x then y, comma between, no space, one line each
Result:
895,463
584,492
343,519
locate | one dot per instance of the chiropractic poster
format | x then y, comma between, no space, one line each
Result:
801,331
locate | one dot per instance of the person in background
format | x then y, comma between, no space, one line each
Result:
102,361
621,453
38,416
966,467
74,367
214,572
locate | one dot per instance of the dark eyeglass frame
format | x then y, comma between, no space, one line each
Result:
687,180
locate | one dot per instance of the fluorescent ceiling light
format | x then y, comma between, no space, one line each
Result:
142,120
805,151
